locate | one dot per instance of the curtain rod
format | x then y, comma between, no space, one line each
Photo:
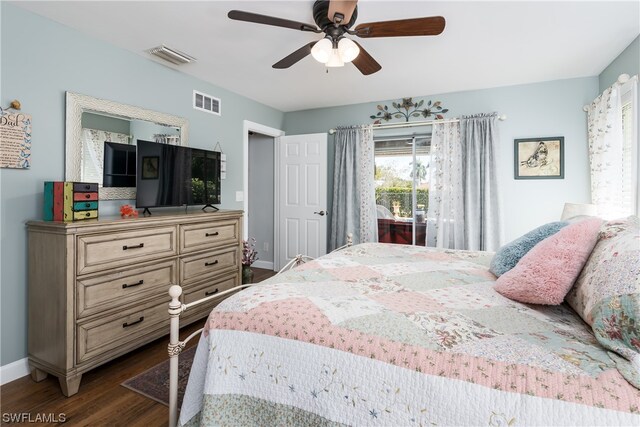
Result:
622,79
414,124
400,138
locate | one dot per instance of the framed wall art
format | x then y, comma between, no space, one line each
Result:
539,158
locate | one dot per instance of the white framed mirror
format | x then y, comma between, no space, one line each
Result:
90,122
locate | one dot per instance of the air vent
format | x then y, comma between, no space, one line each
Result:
171,55
204,102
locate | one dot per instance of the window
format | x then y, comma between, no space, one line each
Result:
402,188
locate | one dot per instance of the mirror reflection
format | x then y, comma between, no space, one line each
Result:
108,147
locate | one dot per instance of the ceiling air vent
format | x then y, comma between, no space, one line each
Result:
204,102
171,55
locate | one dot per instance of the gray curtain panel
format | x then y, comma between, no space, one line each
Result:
480,140
354,201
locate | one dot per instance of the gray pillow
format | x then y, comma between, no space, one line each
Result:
508,255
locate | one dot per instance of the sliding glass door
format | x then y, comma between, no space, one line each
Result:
402,188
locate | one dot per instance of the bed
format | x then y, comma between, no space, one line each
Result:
394,335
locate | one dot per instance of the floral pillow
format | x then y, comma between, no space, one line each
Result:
607,294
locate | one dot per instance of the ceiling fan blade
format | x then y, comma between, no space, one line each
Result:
296,56
365,62
240,15
343,7
431,26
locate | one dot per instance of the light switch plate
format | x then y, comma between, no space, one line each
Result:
239,196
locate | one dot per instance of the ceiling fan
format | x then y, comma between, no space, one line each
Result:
335,18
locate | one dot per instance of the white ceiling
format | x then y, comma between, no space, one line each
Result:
485,44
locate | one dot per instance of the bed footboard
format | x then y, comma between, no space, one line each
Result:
176,308
175,347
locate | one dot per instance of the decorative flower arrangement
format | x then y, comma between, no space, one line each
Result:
128,211
249,253
407,108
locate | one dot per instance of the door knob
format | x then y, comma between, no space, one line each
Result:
321,213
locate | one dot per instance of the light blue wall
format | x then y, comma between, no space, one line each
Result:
628,62
40,60
533,110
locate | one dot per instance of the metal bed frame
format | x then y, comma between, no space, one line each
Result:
176,308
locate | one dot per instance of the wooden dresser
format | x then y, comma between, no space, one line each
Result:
98,288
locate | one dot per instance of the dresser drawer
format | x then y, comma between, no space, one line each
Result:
210,287
124,287
195,237
110,334
196,267
104,251
201,290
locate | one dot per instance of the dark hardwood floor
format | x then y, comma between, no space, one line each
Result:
101,400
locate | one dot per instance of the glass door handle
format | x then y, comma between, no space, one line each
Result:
321,213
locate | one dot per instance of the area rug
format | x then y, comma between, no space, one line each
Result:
154,383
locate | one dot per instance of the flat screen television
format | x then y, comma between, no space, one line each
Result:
119,168
172,175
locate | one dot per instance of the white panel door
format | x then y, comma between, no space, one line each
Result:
302,196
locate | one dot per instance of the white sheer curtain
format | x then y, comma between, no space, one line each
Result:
93,152
611,162
354,200
445,215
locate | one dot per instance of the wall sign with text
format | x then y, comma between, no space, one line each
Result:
15,140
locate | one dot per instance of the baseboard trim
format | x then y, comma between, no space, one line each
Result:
263,264
14,370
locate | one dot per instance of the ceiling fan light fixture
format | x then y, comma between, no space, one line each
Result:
335,60
322,51
348,49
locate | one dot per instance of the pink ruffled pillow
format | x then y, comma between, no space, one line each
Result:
547,272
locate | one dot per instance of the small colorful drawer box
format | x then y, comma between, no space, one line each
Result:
70,201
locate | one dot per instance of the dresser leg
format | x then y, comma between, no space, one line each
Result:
70,385
37,375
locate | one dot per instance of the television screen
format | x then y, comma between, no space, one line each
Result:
172,175
119,169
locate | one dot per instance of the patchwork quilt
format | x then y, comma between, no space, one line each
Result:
393,335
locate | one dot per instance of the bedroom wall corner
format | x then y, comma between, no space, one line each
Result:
628,62
50,59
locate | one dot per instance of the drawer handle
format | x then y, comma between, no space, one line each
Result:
215,233
87,187
126,325
206,294
87,214
207,264
140,282
87,196
87,205
141,245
